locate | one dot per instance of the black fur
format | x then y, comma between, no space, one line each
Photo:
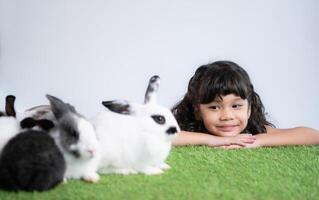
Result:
27,123
10,99
160,119
118,106
44,124
171,130
69,134
151,88
31,161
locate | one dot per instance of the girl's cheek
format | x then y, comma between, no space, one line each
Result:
211,119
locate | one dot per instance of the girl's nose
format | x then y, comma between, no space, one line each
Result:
226,114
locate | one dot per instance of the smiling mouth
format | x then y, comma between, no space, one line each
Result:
227,128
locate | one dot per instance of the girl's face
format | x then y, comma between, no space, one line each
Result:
225,117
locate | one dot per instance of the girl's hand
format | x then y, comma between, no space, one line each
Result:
239,141
242,140
254,144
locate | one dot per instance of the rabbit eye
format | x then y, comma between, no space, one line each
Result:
74,134
159,119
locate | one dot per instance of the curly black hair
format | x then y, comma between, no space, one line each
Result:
215,80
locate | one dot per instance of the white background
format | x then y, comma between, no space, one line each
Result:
86,51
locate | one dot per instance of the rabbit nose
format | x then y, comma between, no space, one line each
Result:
171,130
91,152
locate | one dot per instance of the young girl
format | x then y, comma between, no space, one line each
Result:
221,109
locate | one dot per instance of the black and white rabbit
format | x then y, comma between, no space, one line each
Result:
29,160
76,138
41,112
135,137
9,125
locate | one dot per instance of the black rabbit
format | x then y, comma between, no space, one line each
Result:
31,161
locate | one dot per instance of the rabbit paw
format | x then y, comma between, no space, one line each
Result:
92,178
164,166
152,171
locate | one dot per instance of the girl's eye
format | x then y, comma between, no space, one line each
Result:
237,106
214,107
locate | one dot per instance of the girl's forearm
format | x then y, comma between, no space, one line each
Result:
194,138
294,136
191,138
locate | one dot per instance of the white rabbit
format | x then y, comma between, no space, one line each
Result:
135,137
9,125
9,128
76,138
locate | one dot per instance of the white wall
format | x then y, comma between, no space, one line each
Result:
86,51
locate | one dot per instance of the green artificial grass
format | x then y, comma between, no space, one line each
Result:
207,173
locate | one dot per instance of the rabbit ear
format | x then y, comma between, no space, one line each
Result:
27,123
59,108
45,124
10,99
150,95
121,107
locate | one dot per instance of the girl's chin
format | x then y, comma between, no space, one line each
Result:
226,134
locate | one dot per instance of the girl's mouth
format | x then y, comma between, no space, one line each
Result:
227,128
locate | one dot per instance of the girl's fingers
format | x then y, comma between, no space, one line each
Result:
249,140
246,135
240,143
234,147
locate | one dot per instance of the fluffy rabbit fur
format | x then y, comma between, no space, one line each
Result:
76,138
29,160
135,138
42,112
9,126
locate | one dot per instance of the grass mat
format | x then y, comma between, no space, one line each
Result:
206,173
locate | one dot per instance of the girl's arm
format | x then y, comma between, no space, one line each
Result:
192,138
284,137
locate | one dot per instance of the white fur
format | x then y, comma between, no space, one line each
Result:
134,143
9,127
